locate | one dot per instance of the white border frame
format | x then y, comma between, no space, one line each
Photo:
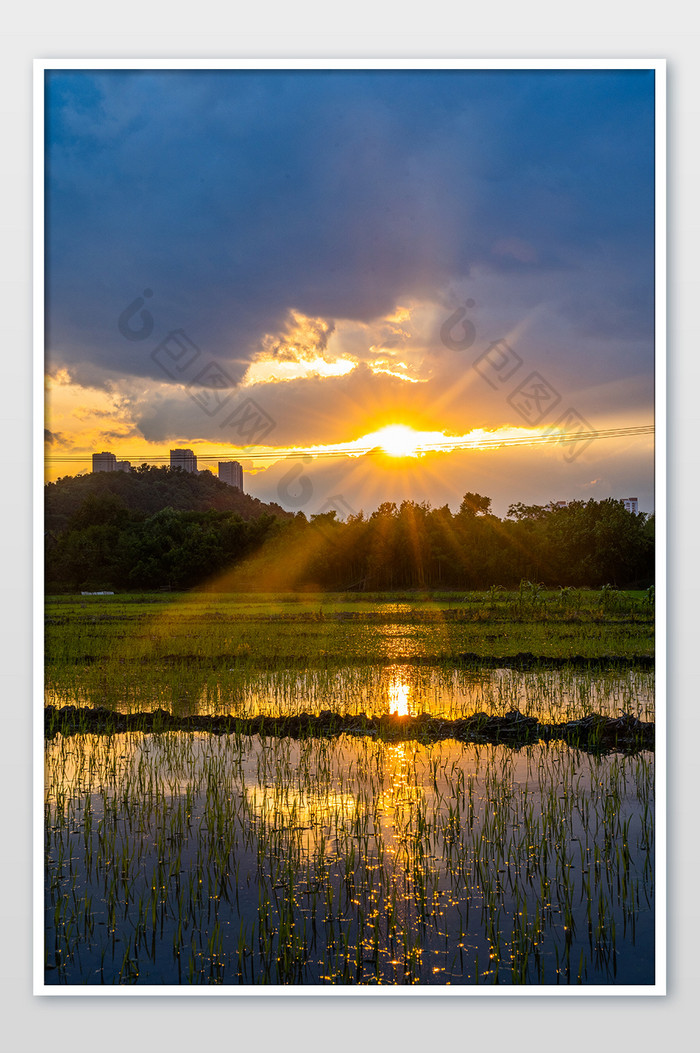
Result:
41,66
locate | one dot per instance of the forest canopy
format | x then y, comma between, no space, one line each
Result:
158,528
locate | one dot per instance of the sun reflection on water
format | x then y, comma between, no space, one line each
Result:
399,691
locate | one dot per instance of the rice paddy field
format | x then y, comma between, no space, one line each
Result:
350,790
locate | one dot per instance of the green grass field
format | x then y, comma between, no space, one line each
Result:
346,628
138,649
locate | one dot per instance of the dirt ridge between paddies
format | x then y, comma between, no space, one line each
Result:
594,733
522,661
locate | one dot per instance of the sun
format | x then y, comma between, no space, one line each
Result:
398,440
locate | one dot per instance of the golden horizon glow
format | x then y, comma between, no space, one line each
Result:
84,420
396,443
398,440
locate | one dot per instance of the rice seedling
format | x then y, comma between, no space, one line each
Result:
193,858
257,852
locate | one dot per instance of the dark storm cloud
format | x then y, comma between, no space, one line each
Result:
239,196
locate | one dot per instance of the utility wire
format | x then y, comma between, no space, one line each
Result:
445,446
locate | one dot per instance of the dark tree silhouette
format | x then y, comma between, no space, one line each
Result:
157,528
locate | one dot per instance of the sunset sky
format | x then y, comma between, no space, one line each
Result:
365,285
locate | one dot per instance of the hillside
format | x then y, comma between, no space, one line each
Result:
147,490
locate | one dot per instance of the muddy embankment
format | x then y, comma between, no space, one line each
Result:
594,733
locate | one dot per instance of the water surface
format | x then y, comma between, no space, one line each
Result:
186,858
551,696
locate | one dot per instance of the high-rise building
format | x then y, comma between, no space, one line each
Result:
107,462
631,504
231,472
104,462
184,459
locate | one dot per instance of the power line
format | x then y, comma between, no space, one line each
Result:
446,446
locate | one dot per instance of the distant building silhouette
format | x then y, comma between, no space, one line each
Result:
104,462
231,472
631,504
107,462
183,459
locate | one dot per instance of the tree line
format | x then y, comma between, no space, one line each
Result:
107,542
